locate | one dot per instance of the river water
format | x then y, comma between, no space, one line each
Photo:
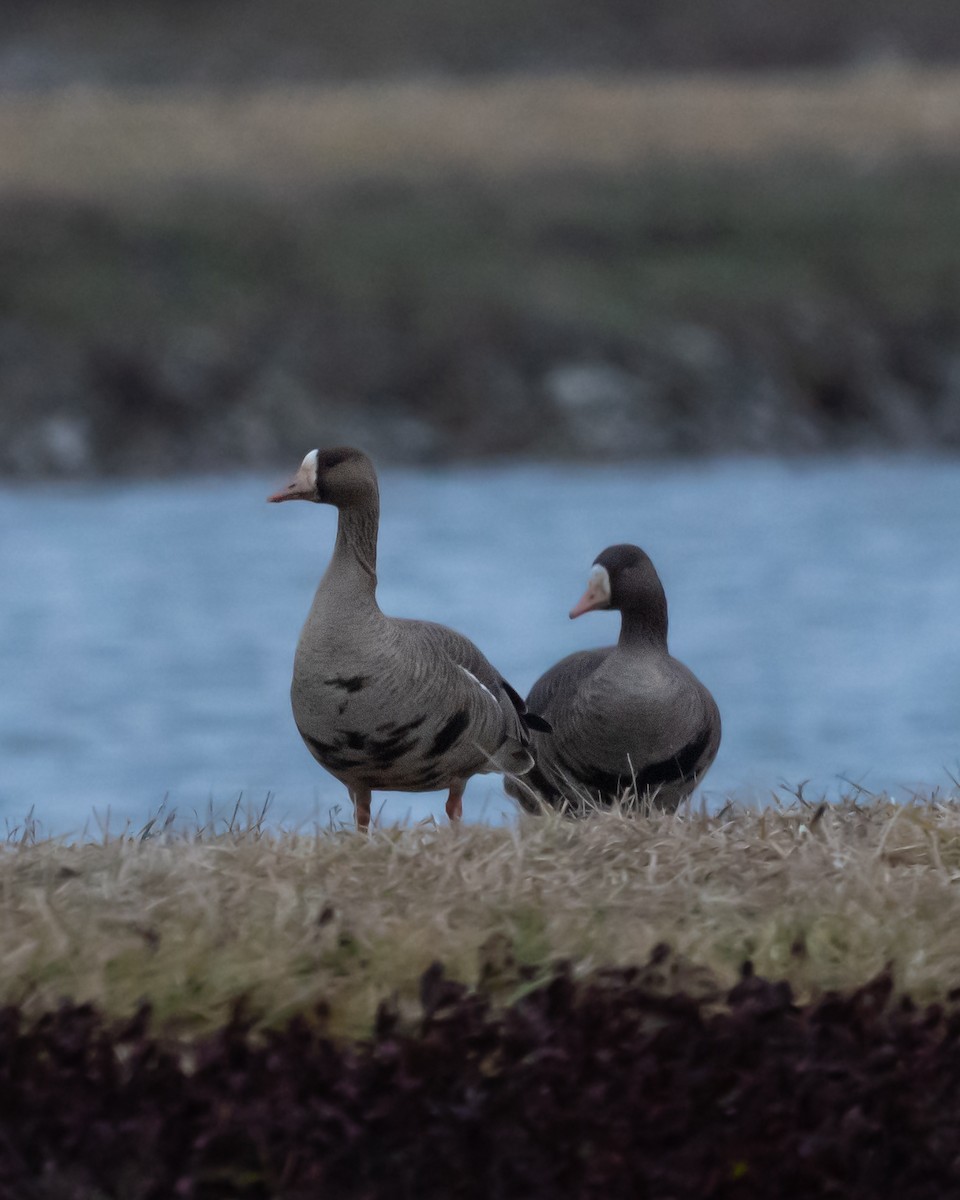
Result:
149,629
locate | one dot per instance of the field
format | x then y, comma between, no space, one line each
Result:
824,897
750,1004
192,280
147,144
600,200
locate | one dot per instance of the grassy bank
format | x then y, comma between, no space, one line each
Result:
822,897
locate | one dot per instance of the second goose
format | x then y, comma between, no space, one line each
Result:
628,716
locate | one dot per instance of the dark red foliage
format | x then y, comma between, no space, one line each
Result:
590,1090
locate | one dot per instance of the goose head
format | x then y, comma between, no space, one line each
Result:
624,578
341,476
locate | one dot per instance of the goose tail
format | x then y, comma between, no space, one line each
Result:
513,758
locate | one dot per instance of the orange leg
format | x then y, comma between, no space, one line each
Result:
455,802
361,808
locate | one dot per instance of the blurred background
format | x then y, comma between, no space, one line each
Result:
685,274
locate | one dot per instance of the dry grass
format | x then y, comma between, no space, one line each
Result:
101,143
822,897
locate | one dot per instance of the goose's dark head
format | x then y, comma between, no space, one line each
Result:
624,578
340,476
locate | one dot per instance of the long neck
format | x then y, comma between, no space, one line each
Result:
353,568
643,627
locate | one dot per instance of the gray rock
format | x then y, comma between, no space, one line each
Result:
606,411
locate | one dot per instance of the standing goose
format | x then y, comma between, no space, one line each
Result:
622,716
384,702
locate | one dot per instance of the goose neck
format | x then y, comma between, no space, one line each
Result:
354,562
642,630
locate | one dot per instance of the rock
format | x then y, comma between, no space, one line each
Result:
789,381
65,443
946,413
606,411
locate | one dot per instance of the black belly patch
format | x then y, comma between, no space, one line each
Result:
540,783
352,749
349,683
385,755
677,769
608,783
392,730
670,772
449,733
394,745
431,780
332,757
322,748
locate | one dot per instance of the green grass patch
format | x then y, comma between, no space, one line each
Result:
609,254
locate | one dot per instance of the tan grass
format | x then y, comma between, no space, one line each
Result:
289,919
96,143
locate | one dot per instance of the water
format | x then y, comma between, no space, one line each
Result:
149,629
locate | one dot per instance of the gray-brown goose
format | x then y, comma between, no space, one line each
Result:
622,716
384,702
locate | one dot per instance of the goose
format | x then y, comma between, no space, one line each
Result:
623,716
386,702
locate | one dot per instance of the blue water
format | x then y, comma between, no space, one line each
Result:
149,629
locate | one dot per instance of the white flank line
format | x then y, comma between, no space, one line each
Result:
471,675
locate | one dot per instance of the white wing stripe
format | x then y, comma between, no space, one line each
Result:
470,675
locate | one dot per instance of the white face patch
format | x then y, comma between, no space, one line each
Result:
599,583
308,468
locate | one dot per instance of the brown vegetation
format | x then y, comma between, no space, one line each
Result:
598,1089
151,145
824,897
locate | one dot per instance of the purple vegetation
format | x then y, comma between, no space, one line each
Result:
598,1088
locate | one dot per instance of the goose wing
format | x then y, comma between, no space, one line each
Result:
476,686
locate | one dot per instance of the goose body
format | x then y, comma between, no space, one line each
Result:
385,702
623,716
